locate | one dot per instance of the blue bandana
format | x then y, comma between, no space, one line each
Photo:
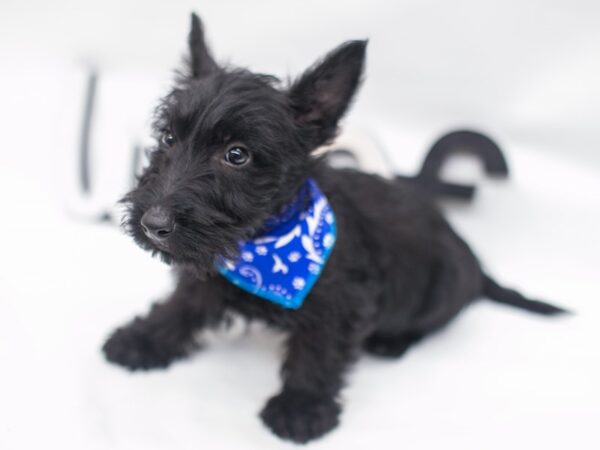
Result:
283,262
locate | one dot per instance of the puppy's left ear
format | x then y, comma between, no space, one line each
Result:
200,61
321,96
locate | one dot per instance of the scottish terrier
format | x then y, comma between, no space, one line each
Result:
252,222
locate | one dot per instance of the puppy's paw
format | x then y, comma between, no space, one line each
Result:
300,416
390,346
136,348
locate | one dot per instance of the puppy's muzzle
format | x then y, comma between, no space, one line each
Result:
158,224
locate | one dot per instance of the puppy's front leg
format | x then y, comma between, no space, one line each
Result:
167,332
307,407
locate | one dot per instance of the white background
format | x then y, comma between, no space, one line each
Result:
525,72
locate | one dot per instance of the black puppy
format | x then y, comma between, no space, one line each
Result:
234,150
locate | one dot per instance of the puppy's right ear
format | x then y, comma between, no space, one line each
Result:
201,62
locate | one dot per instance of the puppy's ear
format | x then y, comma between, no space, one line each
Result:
200,61
321,96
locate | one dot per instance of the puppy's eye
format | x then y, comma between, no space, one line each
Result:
167,139
237,156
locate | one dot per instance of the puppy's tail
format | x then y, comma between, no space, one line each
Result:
500,294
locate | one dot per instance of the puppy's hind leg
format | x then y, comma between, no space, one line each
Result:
430,301
167,332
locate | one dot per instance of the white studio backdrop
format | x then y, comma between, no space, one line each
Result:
525,72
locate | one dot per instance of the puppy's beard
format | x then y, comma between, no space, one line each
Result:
203,265
191,248
200,270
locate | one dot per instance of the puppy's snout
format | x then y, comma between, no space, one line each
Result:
157,223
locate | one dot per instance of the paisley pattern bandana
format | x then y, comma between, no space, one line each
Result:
283,262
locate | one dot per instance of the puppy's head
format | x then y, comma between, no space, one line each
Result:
232,148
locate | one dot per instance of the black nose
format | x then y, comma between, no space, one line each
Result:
157,223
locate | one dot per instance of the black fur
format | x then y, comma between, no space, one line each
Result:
397,273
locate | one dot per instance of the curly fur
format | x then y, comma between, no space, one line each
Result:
398,270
